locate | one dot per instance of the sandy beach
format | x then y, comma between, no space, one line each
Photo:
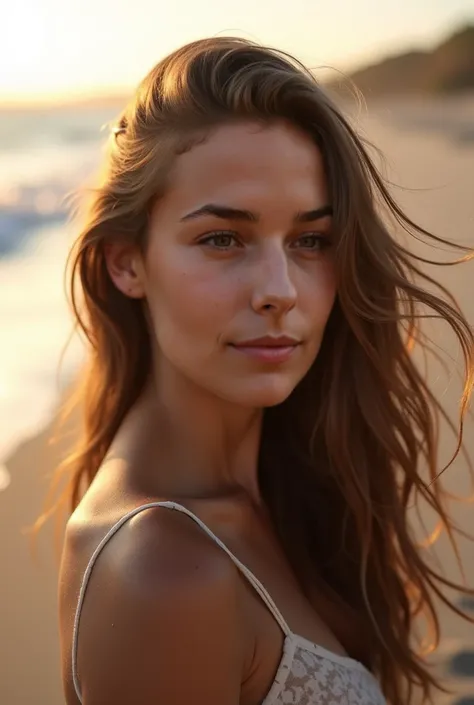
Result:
429,148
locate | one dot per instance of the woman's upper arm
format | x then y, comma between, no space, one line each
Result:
160,622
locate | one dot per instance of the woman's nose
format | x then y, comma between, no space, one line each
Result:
273,291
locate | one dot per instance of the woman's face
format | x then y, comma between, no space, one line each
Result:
240,249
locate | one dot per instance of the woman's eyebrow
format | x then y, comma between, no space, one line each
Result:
316,214
224,212
229,213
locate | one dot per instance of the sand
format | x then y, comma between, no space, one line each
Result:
429,147
29,645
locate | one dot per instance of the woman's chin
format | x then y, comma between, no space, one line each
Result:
262,394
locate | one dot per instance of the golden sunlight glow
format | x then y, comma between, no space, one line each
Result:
53,47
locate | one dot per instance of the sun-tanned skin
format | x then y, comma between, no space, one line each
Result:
167,618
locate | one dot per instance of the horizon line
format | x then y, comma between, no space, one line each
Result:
96,95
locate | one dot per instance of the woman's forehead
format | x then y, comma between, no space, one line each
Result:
249,161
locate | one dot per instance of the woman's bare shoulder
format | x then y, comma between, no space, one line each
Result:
160,621
164,549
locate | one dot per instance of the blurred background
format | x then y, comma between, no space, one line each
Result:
66,71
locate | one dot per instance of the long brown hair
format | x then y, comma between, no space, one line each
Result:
355,445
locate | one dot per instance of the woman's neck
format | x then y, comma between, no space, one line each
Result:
189,443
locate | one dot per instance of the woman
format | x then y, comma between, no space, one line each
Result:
254,421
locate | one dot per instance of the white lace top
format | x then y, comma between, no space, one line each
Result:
307,674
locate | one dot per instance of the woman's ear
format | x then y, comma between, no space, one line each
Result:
125,268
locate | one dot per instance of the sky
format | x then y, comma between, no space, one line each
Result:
65,48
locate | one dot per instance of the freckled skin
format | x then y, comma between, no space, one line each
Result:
202,296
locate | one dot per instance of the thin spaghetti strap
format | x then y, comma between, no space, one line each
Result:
168,505
243,568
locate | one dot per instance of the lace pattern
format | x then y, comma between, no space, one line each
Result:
307,678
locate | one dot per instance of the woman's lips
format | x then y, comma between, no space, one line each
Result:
267,353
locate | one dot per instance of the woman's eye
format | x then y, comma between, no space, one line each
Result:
314,242
220,241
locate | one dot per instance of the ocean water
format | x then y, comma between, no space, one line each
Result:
44,156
